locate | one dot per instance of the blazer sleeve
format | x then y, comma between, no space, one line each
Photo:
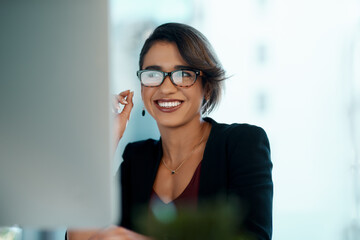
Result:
250,178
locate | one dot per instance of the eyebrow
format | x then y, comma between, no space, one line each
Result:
177,67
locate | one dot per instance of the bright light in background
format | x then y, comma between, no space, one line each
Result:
290,61
295,72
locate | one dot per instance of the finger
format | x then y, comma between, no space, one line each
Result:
130,102
130,98
121,99
121,96
125,93
127,109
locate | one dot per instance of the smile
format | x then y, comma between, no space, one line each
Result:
168,105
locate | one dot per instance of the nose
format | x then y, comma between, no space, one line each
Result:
167,86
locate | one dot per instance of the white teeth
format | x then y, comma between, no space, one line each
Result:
169,104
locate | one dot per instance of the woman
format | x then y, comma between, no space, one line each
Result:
196,159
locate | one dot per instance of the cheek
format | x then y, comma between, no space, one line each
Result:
196,98
146,94
142,93
199,92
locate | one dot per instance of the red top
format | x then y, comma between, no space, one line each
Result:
188,197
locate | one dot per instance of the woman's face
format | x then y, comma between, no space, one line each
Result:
169,105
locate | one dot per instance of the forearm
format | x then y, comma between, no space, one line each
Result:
112,232
80,234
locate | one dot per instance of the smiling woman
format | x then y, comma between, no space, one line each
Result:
196,161
183,102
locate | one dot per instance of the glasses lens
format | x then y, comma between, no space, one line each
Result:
151,78
184,78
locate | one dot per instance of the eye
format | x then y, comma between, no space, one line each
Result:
187,73
153,74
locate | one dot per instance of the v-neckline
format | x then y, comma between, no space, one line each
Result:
185,189
160,154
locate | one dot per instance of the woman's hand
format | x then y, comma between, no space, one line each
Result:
110,233
121,118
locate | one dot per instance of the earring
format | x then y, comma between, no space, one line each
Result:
143,112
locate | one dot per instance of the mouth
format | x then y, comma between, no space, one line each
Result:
168,105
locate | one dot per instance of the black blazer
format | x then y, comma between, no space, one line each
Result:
236,162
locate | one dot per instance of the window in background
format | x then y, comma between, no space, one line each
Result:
289,76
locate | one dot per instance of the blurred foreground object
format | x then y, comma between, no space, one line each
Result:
215,220
10,233
55,120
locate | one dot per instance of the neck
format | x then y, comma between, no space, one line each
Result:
178,142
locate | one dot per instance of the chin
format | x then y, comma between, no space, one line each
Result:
176,120
169,122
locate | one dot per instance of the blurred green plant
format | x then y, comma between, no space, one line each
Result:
10,233
214,220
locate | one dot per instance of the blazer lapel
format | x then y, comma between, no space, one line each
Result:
213,167
152,168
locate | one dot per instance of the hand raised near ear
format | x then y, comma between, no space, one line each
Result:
122,116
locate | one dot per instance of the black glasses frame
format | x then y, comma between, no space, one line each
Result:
165,74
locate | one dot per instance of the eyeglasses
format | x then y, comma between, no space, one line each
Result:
180,78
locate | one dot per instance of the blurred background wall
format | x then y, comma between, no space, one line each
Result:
295,71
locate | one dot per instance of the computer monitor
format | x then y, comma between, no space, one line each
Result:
55,120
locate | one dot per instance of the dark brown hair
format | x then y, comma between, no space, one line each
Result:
196,50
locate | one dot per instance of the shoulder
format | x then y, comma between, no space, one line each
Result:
238,132
144,144
141,153
241,141
141,148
